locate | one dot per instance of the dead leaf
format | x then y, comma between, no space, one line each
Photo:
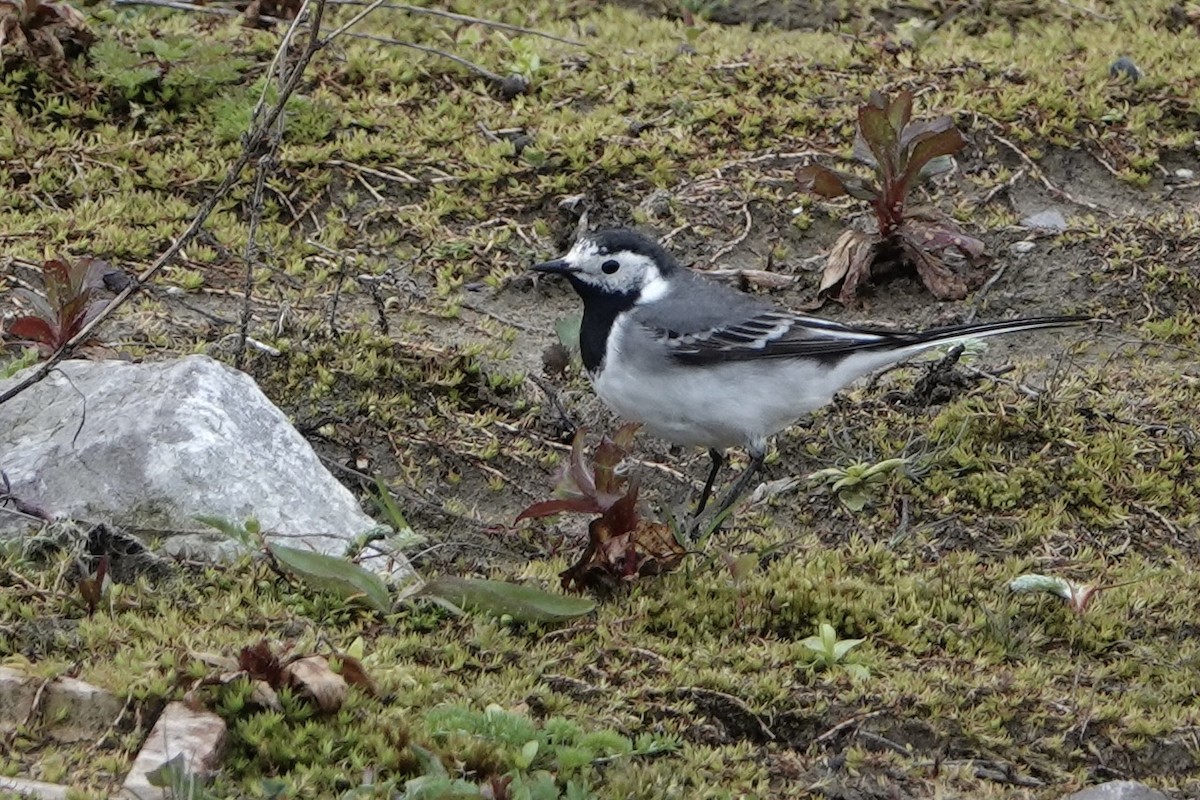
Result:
849,264
943,282
312,676
263,696
261,662
37,31
355,674
621,547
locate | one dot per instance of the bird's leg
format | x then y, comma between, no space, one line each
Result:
757,456
718,461
742,483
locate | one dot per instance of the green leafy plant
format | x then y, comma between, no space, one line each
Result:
829,651
516,758
172,72
28,357
902,152
853,484
69,304
346,579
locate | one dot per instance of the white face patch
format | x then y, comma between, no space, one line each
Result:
622,272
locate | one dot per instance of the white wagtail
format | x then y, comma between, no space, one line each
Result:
701,364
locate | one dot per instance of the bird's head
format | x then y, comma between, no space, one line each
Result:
617,262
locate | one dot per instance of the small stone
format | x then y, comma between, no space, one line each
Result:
1049,220
1021,248
1124,68
23,787
513,85
1118,790
1184,174
197,735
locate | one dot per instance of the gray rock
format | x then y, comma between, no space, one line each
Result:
1022,247
1049,220
1124,68
1118,790
148,447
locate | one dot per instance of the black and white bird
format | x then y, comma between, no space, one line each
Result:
701,364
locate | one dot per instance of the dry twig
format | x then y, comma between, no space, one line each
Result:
253,144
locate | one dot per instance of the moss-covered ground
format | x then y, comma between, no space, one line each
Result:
409,198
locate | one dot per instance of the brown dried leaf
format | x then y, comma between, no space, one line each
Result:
313,678
942,281
849,264
47,31
355,674
260,661
263,696
622,547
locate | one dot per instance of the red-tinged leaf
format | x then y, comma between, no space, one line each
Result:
942,235
622,515
607,458
880,137
71,315
56,275
32,329
921,129
582,505
900,109
40,307
929,147
605,469
821,181
578,470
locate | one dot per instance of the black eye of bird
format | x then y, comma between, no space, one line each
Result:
610,267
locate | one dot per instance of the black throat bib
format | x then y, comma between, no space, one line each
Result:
600,310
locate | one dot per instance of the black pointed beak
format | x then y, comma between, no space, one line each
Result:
556,267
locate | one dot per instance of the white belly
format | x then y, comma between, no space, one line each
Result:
738,404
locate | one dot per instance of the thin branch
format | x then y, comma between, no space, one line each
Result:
277,61
487,23
354,20
179,5
478,70
265,165
252,145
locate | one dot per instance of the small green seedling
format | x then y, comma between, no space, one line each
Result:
853,484
829,651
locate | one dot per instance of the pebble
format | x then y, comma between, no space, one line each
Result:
1021,248
1124,67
